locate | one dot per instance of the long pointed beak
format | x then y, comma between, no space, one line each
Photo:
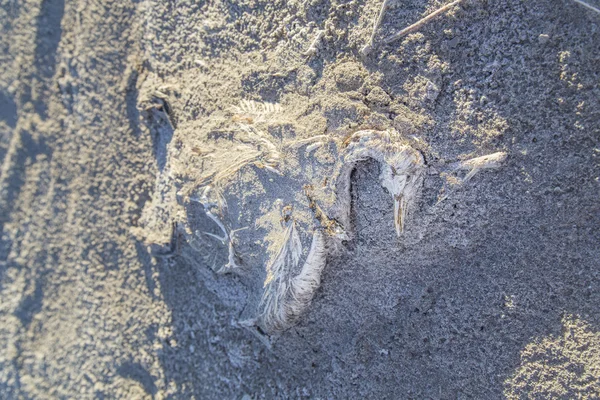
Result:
399,213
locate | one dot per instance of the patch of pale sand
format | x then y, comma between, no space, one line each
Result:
561,366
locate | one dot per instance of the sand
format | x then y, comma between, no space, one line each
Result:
108,109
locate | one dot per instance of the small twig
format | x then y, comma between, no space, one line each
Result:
314,46
421,22
587,6
369,46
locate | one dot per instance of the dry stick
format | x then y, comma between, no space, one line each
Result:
587,5
369,46
421,22
315,43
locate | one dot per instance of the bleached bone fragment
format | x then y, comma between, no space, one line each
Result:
474,165
213,202
232,260
302,142
209,206
312,147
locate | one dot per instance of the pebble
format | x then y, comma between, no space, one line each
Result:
543,38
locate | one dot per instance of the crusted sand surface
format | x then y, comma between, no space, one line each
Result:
112,112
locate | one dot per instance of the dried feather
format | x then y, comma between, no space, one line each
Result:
308,280
259,111
278,281
285,298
